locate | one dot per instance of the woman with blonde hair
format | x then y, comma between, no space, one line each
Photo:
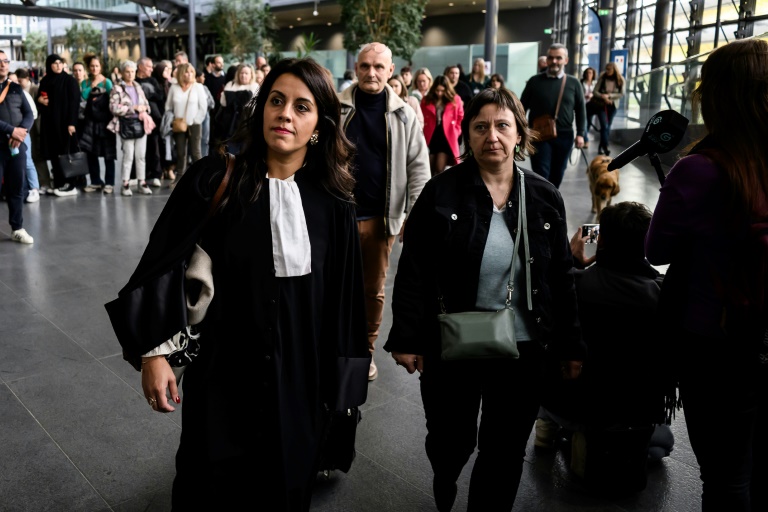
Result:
443,112
398,85
422,81
188,102
709,225
237,93
607,93
478,80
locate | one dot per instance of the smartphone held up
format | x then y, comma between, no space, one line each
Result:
591,231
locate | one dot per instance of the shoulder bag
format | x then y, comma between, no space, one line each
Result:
157,310
179,124
545,124
131,128
488,334
74,164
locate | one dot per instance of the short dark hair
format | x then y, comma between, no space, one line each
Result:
502,98
210,59
349,75
22,73
405,69
623,227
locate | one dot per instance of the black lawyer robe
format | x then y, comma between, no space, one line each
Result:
280,349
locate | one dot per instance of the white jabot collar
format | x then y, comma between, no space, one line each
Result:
291,251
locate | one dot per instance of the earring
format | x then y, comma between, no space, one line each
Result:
517,148
313,139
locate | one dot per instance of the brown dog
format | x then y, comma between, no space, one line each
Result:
602,184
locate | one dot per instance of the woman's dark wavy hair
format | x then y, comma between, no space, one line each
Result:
448,95
733,94
503,99
328,161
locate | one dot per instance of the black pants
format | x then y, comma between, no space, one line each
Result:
725,400
12,176
154,167
509,390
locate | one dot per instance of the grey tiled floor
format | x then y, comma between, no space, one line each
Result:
76,433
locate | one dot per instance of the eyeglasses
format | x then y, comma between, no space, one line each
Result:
5,61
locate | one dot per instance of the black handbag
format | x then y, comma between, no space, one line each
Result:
156,310
338,449
74,164
131,128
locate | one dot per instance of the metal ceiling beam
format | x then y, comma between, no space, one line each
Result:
51,12
174,7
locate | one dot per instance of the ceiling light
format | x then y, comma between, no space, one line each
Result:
314,13
329,23
450,4
290,27
483,11
298,19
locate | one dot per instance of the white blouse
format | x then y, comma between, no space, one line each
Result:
198,103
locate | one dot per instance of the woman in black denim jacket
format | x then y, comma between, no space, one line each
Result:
447,251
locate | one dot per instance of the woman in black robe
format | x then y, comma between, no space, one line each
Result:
58,101
284,342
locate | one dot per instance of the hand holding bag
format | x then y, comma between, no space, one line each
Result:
546,125
157,310
74,164
131,128
488,334
179,124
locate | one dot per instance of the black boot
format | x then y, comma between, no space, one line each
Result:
445,494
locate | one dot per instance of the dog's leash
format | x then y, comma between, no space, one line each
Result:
583,157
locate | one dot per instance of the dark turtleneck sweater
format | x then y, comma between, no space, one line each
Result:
367,129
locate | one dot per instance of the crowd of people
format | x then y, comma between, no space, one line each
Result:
314,191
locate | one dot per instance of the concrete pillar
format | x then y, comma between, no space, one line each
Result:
491,32
192,52
142,37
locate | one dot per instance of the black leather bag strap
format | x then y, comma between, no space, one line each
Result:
219,195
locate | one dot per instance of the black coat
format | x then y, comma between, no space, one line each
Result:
625,379
445,237
62,111
94,136
289,346
155,94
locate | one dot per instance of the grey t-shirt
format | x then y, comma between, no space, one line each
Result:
494,275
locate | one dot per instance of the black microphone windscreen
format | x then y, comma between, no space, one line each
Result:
663,133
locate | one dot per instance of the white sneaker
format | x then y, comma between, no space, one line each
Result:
126,191
144,189
156,183
93,188
33,196
66,190
21,236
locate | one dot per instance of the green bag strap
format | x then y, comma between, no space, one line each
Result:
522,227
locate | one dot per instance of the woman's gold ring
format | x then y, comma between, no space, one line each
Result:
152,402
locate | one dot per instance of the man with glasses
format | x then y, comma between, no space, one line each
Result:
391,167
16,119
541,96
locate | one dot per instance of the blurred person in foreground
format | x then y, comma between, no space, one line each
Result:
711,226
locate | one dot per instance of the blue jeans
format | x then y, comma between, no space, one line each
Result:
32,181
551,157
12,178
95,170
605,118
